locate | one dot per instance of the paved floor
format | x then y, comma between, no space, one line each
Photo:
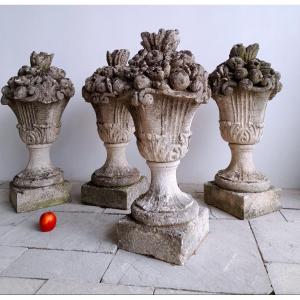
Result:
80,256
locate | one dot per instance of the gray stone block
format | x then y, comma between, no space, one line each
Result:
173,244
117,197
29,199
242,205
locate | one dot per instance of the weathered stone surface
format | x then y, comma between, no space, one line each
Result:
74,231
178,292
19,286
70,287
278,240
4,185
242,87
242,205
53,264
29,199
291,215
216,213
38,96
290,199
228,261
117,211
174,244
285,278
117,197
9,255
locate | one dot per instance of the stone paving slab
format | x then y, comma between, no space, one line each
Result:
217,213
74,231
19,286
178,292
290,198
117,211
5,229
228,261
285,278
9,255
278,240
78,288
291,215
53,264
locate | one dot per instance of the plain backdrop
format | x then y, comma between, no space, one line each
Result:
80,35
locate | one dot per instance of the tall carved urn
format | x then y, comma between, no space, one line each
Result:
116,184
38,96
242,87
168,86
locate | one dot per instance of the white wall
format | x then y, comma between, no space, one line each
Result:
80,35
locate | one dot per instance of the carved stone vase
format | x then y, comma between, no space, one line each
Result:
38,97
242,99
116,184
165,222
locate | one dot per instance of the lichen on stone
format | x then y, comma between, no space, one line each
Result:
245,71
39,82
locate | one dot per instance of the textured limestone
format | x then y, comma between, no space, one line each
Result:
74,231
228,261
174,244
242,205
19,286
38,96
285,278
52,264
72,287
8,255
116,197
25,199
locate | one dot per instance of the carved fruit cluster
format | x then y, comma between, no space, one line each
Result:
39,82
243,70
109,81
158,65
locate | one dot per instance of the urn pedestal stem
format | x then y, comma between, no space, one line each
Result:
39,157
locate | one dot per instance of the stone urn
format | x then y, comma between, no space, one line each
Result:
242,87
168,86
116,184
38,96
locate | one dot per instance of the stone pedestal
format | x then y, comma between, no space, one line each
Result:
25,199
242,205
115,197
173,244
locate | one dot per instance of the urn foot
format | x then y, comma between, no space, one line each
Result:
242,205
113,197
173,244
29,199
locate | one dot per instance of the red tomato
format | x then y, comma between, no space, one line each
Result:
47,221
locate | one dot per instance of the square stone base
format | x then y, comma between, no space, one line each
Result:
117,197
173,244
242,205
26,199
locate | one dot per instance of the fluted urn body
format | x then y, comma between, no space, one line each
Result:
167,88
106,90
38,97
242,87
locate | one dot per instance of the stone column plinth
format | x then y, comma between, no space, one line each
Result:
116,184
38,97
242,87
167,88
